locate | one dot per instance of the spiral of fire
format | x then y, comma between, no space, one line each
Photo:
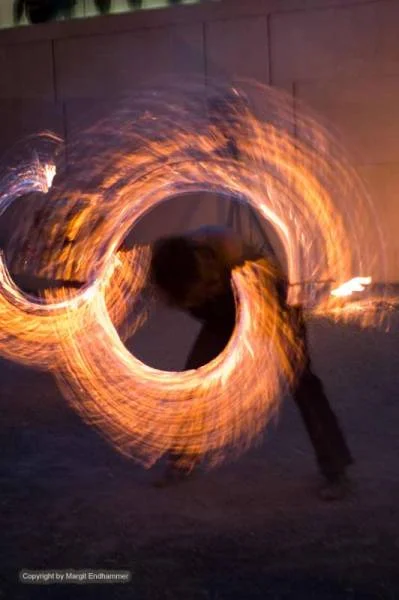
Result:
157,145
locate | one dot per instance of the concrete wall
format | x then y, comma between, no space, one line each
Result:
341,57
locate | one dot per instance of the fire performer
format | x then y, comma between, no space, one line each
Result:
192,273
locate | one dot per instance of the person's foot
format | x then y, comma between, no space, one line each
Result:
335,489
173,475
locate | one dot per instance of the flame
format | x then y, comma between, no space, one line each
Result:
357,284
50,171
293,182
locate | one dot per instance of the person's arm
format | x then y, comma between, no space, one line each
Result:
227,245
233,251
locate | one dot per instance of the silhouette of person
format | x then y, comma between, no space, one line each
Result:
193,272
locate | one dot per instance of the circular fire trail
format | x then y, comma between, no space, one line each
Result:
154,147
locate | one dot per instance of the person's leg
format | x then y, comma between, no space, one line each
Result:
209,344
331,450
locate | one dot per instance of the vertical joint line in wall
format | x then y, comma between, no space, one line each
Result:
55,86
65,132
204,51
269,48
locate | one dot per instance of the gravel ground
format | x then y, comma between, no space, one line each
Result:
254,529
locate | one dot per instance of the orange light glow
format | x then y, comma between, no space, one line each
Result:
299,183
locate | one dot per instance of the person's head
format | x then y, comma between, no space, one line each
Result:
225,112
226,108
185,272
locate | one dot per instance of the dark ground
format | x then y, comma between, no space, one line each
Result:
253,529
